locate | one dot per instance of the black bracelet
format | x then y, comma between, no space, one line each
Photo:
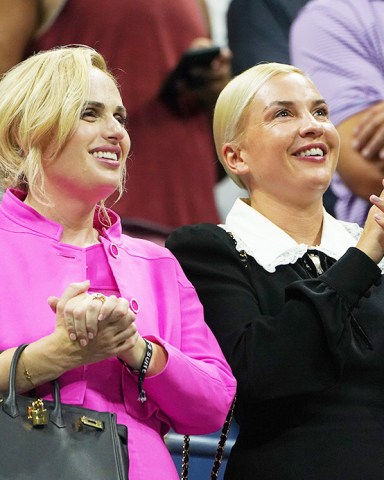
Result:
143,370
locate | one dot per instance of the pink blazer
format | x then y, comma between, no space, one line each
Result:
194,391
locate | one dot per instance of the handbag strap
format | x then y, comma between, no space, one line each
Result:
185,458
10,403
219,451
222,442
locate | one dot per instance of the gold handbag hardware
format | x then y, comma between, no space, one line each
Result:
89,422
37,413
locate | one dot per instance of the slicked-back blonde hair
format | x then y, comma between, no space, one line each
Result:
234,103
41,100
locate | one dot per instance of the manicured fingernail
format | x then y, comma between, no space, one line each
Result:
72,336
83,342
375,198
90,335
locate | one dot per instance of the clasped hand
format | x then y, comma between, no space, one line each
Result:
87,317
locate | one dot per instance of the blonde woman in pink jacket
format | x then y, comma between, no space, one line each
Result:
89,300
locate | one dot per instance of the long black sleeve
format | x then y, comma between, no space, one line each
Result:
282,333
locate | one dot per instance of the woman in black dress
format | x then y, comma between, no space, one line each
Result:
293,295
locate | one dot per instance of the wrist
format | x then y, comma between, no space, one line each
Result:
134,356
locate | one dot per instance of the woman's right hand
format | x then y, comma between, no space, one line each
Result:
371,241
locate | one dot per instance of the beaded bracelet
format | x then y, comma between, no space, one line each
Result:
143,370
26,373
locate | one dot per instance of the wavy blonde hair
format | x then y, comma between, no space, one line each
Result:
234,103
41,100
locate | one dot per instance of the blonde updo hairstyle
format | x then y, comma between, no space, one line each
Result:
41,100
234,104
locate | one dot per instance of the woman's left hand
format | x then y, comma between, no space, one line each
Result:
371,241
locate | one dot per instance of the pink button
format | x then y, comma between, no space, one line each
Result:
114,251
134,305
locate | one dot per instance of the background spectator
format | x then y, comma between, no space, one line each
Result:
339,43
173,167
258,31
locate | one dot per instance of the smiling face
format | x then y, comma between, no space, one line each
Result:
91,163
290,148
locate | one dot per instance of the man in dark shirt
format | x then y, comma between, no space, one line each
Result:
258,31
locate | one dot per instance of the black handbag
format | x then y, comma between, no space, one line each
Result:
41,440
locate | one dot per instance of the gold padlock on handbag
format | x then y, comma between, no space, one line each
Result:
38,413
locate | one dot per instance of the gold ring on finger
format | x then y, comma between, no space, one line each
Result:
99,296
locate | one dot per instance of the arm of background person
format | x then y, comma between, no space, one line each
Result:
209,80
368,136
206,16
18,22
363,176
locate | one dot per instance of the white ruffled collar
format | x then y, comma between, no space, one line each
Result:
271,246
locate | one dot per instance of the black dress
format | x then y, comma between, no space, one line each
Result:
307,351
